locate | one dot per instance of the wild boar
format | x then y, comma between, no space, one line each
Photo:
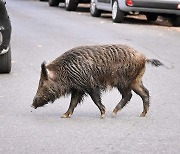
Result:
90,70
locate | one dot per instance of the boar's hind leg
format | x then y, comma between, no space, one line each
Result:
76,98
126,96
96,97
139,89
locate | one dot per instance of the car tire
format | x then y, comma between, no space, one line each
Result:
117,14
5,62
93,9
151,17
175,21
53,2
71,5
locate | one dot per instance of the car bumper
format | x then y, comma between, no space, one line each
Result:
152,7
5,29
156,4
5,36
4,51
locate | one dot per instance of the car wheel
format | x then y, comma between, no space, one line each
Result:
93,9
151,17
54,2
175,21
5,62
71,5
117,14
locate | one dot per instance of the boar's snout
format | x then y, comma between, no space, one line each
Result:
35,102
38,102
33,106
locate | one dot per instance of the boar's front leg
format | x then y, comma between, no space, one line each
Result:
76,97
96,97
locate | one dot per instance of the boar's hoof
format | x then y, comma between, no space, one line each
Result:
102,115
115,111
66,115
143,114
113,115
103,112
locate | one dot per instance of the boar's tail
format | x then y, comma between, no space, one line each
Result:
157,63
154,62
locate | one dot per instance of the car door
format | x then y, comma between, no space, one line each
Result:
104,5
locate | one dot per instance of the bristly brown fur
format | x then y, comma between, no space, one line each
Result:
91,69
91,66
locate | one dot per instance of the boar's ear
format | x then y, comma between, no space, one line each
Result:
44,70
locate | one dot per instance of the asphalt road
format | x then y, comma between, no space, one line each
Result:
43,33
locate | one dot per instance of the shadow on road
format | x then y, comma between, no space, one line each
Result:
136,19
82,8
140,20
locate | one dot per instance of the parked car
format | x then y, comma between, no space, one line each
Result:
5,36
70,5
150,8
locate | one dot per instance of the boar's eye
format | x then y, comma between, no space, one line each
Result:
42,83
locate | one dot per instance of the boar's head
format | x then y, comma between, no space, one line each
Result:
47,90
